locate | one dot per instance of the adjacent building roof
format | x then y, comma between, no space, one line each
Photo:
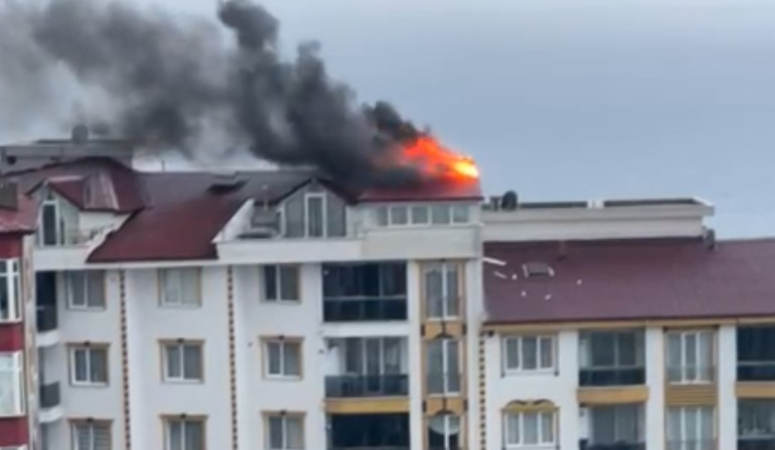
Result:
176,215
634,280
23,219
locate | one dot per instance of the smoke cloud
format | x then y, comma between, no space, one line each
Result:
169,81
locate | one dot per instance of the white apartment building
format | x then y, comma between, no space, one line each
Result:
279,311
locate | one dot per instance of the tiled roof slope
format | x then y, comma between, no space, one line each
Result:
631,280
21,220
175,215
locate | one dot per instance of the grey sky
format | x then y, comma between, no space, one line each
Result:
566,99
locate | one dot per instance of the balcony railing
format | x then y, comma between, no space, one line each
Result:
756,371
364,309
585,445
444,383
692,444
50,395
342,386
612,376
756,443
47,318
691,374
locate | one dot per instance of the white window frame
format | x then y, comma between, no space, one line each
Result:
13,290
91,426
88,349
68,277
447,420
17,369
282,343
519,341
184,422
698,368
180,303
181,345
540,418
445,267
446,352
281,298
387,211
685,414
324,213
285,418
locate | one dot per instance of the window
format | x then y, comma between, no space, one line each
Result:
283,358
756,419
690,356
444,432
180,287
442,290
423,215
620,424
612,349
373,356
314,213
528,353
529,429
89,365
10,304
57,222
85,289
690,428
11,384
183,361
285,432
184,434
367,280
91,435
281,283
537,269
444,366
756,353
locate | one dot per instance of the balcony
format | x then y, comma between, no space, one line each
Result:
755,443
47,319
364,309
369,431
50,402
756,371
615,376
696,444
583,445
353,386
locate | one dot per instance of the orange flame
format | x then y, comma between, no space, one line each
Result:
437,161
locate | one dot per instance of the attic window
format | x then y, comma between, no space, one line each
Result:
537,270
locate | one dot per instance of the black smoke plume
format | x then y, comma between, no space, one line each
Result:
172,82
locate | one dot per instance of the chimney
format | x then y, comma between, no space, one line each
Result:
9,197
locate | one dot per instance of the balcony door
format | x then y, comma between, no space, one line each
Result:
374,363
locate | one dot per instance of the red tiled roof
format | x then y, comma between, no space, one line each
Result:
443,191
630,280
114,187
184,216
21,220
176,216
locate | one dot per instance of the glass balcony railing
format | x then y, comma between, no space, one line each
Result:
756,443
692,444
585,445
612,376
364,309
691,374
47,319
50,395
343,386
756,371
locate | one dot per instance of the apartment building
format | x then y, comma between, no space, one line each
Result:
270,309
636,343
276,310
